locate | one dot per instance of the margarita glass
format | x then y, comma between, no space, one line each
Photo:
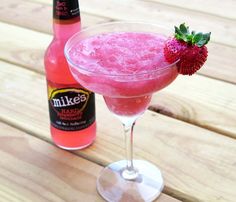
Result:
124,62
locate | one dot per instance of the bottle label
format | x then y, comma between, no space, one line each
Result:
66,9
71,108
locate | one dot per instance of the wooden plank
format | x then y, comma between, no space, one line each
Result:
23,49
33,170
162,14
225,9
187,155
22,46
36,16
219,65
202,101
165,15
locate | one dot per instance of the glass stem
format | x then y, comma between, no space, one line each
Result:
129,173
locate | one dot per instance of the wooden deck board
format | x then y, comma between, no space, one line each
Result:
206,102
36,16
33,170
186,154
220,63
188,99
224,9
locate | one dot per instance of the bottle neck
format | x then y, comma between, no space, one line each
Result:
64,30
66,18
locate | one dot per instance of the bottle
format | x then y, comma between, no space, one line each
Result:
71,107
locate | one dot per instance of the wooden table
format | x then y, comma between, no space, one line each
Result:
189,131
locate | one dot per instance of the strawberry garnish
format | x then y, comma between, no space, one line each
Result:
188,48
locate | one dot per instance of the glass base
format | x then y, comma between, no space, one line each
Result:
74,148
146,187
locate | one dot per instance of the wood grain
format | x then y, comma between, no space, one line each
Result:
187,155
188,99
162,14
165,15
33,170
225,9
36,16
220,64
23,46
202,101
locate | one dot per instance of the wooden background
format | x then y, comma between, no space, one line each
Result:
189,131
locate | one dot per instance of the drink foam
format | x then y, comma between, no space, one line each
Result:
120,53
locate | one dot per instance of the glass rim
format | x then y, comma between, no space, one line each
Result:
87,29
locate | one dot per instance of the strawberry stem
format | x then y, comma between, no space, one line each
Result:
182,33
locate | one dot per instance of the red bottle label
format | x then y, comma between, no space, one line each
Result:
71,108
66,9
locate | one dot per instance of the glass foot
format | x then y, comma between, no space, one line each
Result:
73,148
146,187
